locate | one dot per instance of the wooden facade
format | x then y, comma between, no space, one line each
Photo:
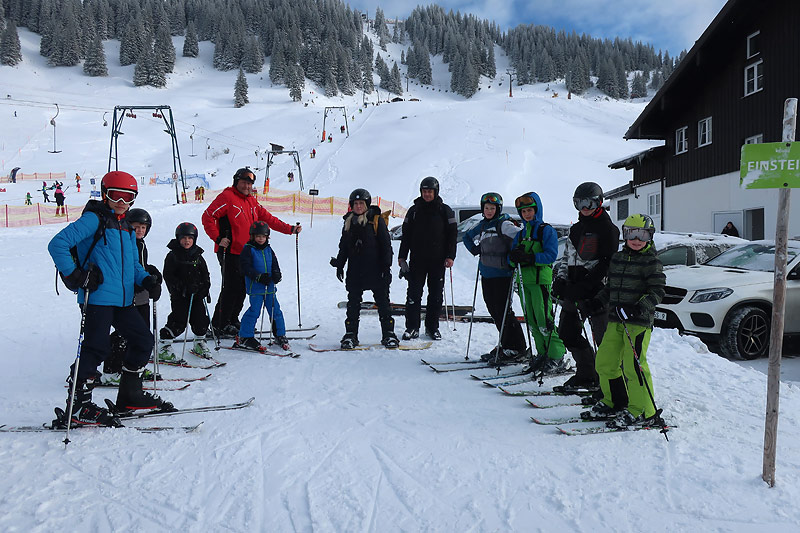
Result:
710,82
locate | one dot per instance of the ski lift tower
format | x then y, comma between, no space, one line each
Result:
163,112
277,149
333,110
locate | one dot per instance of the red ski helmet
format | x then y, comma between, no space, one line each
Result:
119,182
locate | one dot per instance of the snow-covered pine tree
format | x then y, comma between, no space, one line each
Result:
656,80
131,45
638,86
95,63
423,60
190,45
164,50
240,90
253,60
396,80
296,83
277,64
143,68
10,51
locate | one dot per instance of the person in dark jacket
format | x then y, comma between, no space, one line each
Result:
259,264
730,229
495,234
59,196
104,269
366,248
579,276
188,282
429,233
635,287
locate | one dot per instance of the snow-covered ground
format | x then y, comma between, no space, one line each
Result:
368,440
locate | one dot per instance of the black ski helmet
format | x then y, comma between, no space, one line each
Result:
429,183
492,198
588,191
259,227
186,229
140,216
244,173
360,194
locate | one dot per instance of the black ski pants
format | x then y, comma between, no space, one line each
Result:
495,294
571,331
119,345
96,346
198,320
380,294
417,275
231,294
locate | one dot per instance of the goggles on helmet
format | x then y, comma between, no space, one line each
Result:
121,195
586,203
638,234
490,198
525,201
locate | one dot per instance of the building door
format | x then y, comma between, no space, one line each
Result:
721,218
754,224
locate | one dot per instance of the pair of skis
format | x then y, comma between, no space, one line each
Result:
402,347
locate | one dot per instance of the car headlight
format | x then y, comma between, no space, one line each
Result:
710,295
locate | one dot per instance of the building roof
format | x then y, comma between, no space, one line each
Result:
635,159
698,64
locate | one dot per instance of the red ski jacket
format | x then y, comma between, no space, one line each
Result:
240,211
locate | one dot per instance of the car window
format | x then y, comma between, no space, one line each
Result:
677,255
751,257
706,252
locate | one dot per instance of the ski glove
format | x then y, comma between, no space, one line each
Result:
277,276
264,279
627,312
86,279
404,268
557,290
521,257
340,274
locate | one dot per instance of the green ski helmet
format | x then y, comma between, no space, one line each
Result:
638,226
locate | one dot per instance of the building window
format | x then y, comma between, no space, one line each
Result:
753,44
654,204
754,78
681,142
622,209
755,139
704,132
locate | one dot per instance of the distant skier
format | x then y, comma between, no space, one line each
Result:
429,233
78,182
28,199
366,248
46,196
59,196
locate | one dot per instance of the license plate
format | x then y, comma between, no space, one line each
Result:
661,315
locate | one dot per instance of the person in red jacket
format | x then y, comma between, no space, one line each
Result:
227,222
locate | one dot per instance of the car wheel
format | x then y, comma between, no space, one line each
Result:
745,334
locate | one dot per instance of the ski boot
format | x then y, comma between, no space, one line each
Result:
147,375
409,334
577,384
626,419
283,342
489,357
166,353
602,411
110,379
434,334
248,343
84,411
390,340
200,348
132,397
551,367
349,341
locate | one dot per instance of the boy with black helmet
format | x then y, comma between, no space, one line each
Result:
103,271
188,282
534,249
259,264
593,239
635,287
429,233
366,248
494,234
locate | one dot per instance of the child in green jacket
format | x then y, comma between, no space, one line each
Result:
635,287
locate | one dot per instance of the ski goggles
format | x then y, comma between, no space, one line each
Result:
525,201
637,234
490,198
121,195
586,203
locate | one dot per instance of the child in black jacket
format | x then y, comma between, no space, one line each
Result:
188,282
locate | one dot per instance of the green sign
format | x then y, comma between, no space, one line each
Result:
770,166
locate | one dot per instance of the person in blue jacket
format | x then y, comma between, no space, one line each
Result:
534,249
259,264
99,258
494,235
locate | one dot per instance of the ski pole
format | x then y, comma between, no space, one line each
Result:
186,331
213,333
297,261
447,310
155,347
525,308
657,418
503,324
453,298
472,315
77,359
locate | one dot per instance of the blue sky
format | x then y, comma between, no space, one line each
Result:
671,25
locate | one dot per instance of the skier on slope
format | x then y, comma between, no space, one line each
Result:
593,239
635,287
104,272
429,233
366,248
495,233
534,249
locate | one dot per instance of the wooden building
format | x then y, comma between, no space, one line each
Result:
729,90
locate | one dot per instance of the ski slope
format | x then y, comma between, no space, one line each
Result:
370,440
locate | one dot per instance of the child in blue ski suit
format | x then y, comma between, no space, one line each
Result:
260,267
